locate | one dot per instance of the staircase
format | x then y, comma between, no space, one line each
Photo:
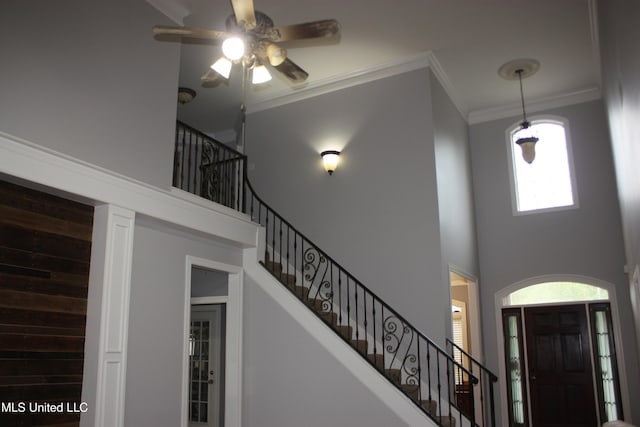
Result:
429,376
320,307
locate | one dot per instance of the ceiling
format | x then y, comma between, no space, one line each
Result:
464,42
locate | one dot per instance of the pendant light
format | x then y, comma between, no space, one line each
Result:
520,69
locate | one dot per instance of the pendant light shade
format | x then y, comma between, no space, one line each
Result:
518,70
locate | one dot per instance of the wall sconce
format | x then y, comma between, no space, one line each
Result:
330,158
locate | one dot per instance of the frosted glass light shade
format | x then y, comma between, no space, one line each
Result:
222,66
260,75
528,145
330,158
233,48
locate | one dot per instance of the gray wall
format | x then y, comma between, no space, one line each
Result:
86,78
455,190
585,241
156,334
291,380
619,35
378,214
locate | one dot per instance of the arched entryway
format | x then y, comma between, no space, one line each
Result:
559,363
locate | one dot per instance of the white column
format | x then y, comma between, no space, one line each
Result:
105,359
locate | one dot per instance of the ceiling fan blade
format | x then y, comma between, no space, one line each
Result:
309,30
245,13
198,33
292,71
211,79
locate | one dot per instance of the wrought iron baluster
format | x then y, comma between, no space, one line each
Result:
365,323
339,297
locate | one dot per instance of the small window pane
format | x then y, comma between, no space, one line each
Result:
547,182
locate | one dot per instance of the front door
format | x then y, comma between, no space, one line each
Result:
205,368
559,360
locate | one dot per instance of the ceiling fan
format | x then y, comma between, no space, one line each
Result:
252,40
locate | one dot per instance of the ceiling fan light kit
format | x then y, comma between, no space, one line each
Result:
519,69
252,40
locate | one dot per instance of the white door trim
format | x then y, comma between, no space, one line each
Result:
233,351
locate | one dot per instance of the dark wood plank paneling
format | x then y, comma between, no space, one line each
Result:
38,202
42,302
13,316
40,285
40,222
38,261
29,367
44,243
46,343
45,251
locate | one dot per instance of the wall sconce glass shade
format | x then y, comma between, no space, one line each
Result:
330,158
233,48
223,67
260,75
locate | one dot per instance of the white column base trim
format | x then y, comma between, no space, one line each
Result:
105,362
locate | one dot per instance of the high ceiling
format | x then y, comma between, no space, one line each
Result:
465,41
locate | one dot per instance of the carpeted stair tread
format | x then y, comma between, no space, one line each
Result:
360,345
431,406
329,317
377,360
411,390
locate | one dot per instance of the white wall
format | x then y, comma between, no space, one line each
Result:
377,215
154,366
586,241
621,82
86,78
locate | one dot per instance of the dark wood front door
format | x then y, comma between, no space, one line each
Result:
560,374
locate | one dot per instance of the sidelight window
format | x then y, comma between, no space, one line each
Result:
606,364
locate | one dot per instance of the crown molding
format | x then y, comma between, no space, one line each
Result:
533,106
173,9
342,81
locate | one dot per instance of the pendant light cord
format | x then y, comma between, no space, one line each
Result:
525,123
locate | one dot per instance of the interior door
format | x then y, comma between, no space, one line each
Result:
205,366
559,360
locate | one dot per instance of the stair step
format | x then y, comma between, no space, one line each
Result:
318,305
330,317
274,267
300,291
360,345
395,375
377,360
345,331
447,421
411,390
431,406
